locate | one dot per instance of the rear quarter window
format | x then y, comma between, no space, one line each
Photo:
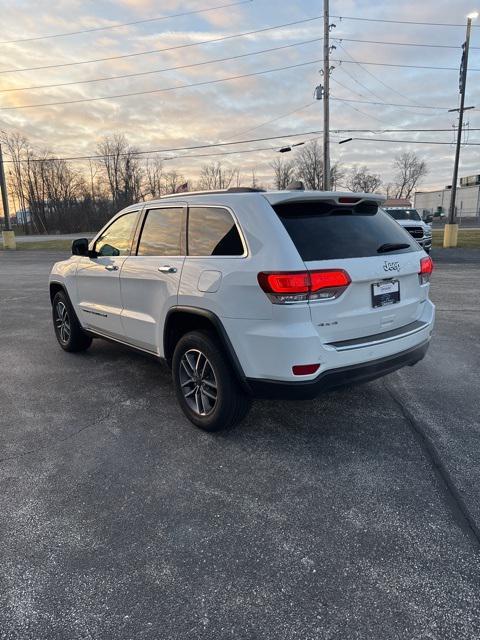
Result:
324,230
212,232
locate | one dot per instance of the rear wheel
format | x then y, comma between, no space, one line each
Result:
205,385
68,331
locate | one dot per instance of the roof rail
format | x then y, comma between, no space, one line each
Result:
213,191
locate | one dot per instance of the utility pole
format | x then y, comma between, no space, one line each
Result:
7,234
326,96
451,228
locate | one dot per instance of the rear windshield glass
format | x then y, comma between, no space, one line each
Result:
404,214
323,230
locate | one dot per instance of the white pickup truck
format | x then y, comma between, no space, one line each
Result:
411,221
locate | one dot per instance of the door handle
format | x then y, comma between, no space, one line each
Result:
111,267
167,269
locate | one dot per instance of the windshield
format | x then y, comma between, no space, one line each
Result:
404,214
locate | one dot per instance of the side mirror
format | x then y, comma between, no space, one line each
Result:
429,218
80,247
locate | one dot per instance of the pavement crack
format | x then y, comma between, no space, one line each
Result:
96,423
457,504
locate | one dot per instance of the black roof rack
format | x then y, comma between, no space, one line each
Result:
213,191
244,190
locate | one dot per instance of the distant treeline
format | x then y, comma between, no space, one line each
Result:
58,196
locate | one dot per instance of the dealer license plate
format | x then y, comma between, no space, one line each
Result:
385,293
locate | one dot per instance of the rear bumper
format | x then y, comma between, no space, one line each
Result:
339,377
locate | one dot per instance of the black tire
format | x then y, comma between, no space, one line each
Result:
209,373
68,331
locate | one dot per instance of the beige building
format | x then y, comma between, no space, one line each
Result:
467,200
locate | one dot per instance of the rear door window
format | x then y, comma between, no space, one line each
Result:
162,232
212,232
323,230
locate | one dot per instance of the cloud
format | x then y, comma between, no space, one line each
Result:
215,112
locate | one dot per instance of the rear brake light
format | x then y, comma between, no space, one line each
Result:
302,286
348,200
304,369
426,268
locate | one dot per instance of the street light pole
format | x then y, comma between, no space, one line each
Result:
7,234
326,96
451,228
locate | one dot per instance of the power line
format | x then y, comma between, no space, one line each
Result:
352,77
397,130
124,24
390,104
263,124
171,149
404,44
373,94
248,141
146,73
173,48
404,66
468,144
355,108
161,90
215,8
428,24
387,86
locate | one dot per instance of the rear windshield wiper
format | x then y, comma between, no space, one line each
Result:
384,248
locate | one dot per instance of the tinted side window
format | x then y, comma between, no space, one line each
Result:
161,233
326,231
116,239
212,232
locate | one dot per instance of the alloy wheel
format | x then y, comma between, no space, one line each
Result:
198,382
62,322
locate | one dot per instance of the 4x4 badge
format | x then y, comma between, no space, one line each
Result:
391,266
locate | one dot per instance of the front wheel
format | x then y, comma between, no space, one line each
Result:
68,331
205,385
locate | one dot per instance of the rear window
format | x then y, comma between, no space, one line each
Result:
323,230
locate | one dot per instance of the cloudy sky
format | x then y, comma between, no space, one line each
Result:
277,103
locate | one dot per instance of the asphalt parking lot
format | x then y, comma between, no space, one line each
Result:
354,516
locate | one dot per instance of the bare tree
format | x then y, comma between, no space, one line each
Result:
360,180
172,181
309,165
284,172
215,176
409,171
153,177
18,147
122,169
337,175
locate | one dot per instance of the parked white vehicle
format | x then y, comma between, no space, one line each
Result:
410,220
247,293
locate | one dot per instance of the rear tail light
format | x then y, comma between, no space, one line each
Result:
287,287
426,268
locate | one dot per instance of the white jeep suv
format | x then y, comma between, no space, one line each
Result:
247,293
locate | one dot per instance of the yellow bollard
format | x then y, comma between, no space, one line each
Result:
450,235
9,240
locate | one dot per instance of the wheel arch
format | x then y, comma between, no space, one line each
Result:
182,319
55,287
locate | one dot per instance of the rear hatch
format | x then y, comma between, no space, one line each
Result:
381,259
